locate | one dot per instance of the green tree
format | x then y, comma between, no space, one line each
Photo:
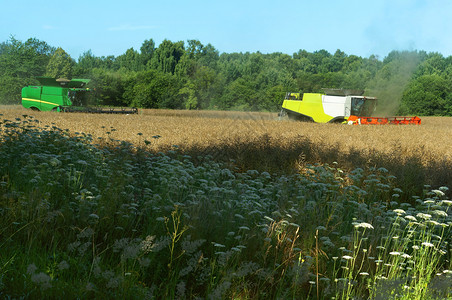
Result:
147,51
167,56
240,95
20,63
434,63
427,95
153,89
109,86
129,61
60,65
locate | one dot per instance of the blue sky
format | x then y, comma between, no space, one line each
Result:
356,27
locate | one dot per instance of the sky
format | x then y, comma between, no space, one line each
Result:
356,27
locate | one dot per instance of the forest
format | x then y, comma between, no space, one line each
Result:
191,75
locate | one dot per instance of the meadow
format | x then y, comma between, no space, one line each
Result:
196,205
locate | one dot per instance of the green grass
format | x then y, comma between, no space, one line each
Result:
83,217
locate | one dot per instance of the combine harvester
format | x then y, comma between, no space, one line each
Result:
338,106
66,96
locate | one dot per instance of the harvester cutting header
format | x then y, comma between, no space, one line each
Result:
65,95
338,106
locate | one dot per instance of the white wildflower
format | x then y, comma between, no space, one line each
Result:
423,216
41,279
269,219
63,265
93,216
447,202
428,244
347,257
440,213
438,193
433,222
411,218
394,253
31,269
399,211
364,225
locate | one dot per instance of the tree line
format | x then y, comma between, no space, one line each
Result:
191,75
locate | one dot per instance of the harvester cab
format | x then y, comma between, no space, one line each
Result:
65,95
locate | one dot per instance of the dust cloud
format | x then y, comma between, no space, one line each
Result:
391,81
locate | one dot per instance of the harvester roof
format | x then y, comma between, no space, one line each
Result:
343,92
63,82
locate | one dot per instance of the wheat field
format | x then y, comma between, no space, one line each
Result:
241,135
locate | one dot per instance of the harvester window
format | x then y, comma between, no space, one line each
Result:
362,107
78,97
292,96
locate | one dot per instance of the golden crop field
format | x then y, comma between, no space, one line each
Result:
260,140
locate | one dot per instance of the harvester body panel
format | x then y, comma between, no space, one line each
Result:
310,107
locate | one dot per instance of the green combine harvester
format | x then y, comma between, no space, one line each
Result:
66,96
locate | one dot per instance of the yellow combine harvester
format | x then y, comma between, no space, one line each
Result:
337,106
334,106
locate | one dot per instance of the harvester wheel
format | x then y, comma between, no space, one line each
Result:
282,114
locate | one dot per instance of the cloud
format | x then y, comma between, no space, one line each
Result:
128,27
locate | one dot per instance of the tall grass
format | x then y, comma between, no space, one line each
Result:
88,217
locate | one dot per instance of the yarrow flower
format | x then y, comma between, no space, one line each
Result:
427,244
440,213
411,218
424,216
364,225
399,211
438,193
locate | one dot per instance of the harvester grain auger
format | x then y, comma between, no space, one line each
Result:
66,96
338,106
